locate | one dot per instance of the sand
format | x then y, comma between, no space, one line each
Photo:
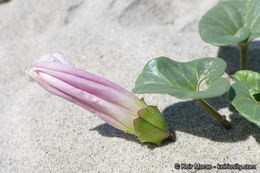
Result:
40,132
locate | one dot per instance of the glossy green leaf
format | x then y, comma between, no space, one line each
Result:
231,22
183,80
247,75
245,95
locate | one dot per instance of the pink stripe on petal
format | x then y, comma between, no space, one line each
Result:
55,91
80,73
109,94
111,121
96,103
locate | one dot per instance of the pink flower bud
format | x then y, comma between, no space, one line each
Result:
108,101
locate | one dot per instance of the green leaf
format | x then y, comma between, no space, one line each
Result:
247,75
150,126
183,80
231,22
245,95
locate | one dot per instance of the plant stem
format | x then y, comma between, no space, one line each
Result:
243,55
213,112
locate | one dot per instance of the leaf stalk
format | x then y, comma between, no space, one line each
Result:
213,112
243,55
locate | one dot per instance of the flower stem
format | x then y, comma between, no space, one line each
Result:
213,112
243,55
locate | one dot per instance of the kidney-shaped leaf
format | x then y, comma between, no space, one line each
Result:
231,22
247,75
245,95
183,80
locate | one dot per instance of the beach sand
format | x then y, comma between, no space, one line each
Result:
40,132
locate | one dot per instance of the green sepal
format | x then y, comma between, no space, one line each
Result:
129,130
142,100
150,126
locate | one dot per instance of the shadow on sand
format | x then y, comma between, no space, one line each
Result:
109,131
191,118
4,1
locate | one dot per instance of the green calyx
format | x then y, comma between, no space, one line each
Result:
150,126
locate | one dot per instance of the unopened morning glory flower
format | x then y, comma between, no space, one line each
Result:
113,104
